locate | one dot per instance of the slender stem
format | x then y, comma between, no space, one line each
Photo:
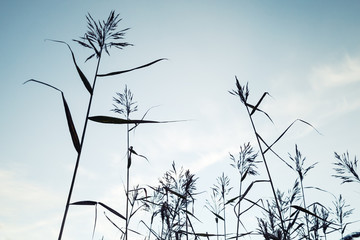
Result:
238,213
127,179
186,220
267,171
79,153
224,218
306,215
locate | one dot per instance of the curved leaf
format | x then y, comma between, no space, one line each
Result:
132,69
81,74
72,130
88,203
288,129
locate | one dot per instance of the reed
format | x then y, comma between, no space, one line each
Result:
100,37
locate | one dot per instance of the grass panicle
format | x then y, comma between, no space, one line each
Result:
346,169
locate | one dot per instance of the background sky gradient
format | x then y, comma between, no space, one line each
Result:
306,54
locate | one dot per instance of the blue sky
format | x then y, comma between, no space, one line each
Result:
306,54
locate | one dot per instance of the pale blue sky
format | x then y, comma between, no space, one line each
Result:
306,54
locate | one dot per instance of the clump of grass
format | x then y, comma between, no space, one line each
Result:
172,200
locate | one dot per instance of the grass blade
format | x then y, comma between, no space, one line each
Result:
132,69
258,109
72,129
114,120
257,105
114,224
310,213
112,210
46,84
263,141
87,203
74,136
249,187
81,74
288,129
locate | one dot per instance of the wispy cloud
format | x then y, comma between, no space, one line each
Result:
344,72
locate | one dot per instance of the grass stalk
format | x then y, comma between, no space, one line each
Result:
243,93
238,212
127,179
79,153
267,170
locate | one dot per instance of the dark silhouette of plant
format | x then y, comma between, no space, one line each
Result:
177,194
100,37
325,221
243,93
125,106
221,189
346,169
246,166
153,206
270,227
301,170
341,212
215,207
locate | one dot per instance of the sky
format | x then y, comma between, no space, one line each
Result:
306,54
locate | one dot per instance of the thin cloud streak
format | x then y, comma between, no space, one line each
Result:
345,72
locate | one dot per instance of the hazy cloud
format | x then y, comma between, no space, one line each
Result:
333,75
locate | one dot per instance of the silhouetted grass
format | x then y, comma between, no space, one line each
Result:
170,205
100,37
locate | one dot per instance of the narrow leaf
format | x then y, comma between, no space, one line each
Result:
217,215
257,105
72,130
88,203
287,130
114,120
141,119
176,193
46,84
258,109
131,149
240,235
114,223
132,69
249,187
231,200
74,136
81,74
310,213
273,151
112,210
